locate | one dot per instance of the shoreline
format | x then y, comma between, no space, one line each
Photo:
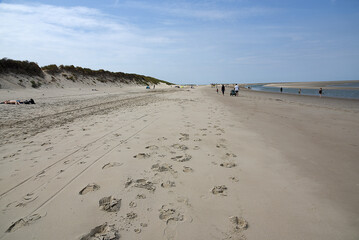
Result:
314,85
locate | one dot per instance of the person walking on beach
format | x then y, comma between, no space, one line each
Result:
299,91
236,89
223,89
217,90
281,89
320,92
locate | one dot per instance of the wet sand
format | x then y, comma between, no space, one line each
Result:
322,84
179,164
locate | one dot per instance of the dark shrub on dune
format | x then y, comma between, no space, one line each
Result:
20,67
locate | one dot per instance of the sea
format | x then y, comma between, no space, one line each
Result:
334,93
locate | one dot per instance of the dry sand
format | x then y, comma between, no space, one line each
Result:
178,164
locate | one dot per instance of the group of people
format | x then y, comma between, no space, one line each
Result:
17,102
236,88
300,91
223,89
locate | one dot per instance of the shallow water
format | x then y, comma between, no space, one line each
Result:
337,93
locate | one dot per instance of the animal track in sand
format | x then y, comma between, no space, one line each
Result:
152,147
111,164
132,204
141,196
231,155
23,222
219,190
181,158
185,137
89,188
110,204
234,179
197,140
131,215
162,139
220,145
102,232
168,214
187,169
168,184
142,155
196,148
142,183
129,181
180,146
228,164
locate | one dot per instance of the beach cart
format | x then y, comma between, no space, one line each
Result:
232,93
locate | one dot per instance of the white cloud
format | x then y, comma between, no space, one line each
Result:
74,35
204,11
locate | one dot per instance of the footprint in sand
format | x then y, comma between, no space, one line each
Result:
185,137
228,164
111,164
143,183
103,231
23,222
239,223
162,167
168,214
196,148
187,169
181,158
180,146
219,190
28,198
142,155
89,188
168,184
152,147
110,204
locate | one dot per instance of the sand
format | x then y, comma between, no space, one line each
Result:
172,163
321,84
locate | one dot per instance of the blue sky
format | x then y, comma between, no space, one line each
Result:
182,41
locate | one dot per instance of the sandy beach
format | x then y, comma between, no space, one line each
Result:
169,163
321,84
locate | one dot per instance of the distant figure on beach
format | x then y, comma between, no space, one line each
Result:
236,89
154,86
320,92
217,90
223,89
17,102
281,89
299,91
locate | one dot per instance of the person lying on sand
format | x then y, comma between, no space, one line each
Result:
17,102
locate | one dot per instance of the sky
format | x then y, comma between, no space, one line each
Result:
189,41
